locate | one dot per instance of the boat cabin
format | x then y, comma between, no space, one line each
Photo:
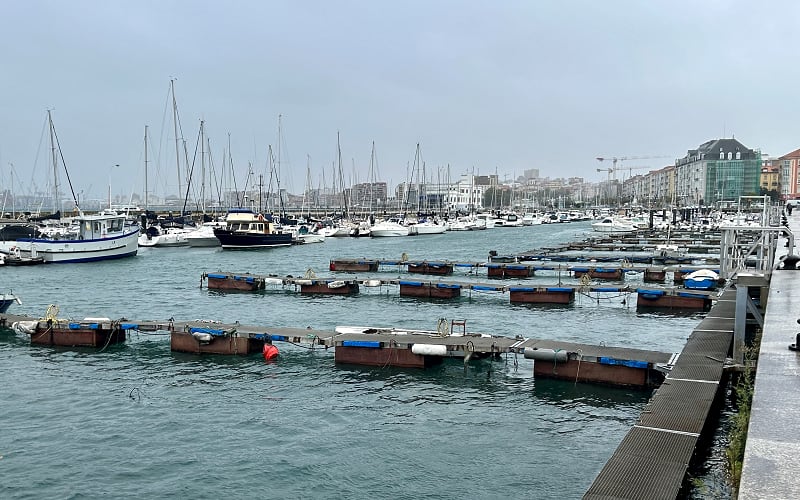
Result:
94,227
245,221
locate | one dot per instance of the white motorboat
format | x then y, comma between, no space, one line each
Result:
388,228
611,225
460,225
302,234
155,236
531,220
204,235
335,231
509,220
428,227
488,221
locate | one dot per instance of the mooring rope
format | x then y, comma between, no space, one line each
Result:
578,371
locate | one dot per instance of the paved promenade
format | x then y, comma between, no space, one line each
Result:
772,456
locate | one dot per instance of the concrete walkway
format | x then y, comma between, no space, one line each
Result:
771,466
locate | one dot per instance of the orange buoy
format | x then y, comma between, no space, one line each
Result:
270,352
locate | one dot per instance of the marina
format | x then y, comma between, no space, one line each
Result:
397,251
385,346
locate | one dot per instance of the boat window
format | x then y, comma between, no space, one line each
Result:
96,227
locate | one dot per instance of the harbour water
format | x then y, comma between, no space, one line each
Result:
139,421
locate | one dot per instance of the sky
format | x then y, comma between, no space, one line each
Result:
481,86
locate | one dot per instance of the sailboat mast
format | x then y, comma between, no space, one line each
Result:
202,167
56,197
346,212
307,192
282,208
372,179
278,165
146,205
416,165
175,128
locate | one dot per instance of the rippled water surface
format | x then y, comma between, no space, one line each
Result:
139,421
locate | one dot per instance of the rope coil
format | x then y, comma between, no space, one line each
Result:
52,313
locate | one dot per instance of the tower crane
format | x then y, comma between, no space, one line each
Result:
612,170
615,159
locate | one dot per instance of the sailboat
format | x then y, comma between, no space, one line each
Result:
102,236
169,233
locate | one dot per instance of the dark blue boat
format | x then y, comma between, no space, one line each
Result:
246,229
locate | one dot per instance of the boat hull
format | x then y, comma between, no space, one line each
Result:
203,241
90,250
612,229
428,229
5,302
229,239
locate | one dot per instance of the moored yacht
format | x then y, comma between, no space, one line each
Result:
102,236
245,229
611,225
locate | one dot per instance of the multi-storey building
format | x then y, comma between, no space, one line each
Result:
720,169
789,165
770,179
369,195
662,184
467,193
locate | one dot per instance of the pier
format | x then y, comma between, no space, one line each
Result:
653,458
610,269
376,347
670,298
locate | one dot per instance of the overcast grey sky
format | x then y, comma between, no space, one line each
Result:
500,86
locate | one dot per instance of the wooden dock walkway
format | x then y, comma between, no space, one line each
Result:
509,266
655,297
652,459
396,347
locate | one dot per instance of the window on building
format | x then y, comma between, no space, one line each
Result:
730,155
738,155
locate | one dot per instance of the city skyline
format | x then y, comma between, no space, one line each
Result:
495,88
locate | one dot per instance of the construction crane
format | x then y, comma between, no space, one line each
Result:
612,170
615,159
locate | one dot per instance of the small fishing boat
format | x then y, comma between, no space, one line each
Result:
85,238
100,237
